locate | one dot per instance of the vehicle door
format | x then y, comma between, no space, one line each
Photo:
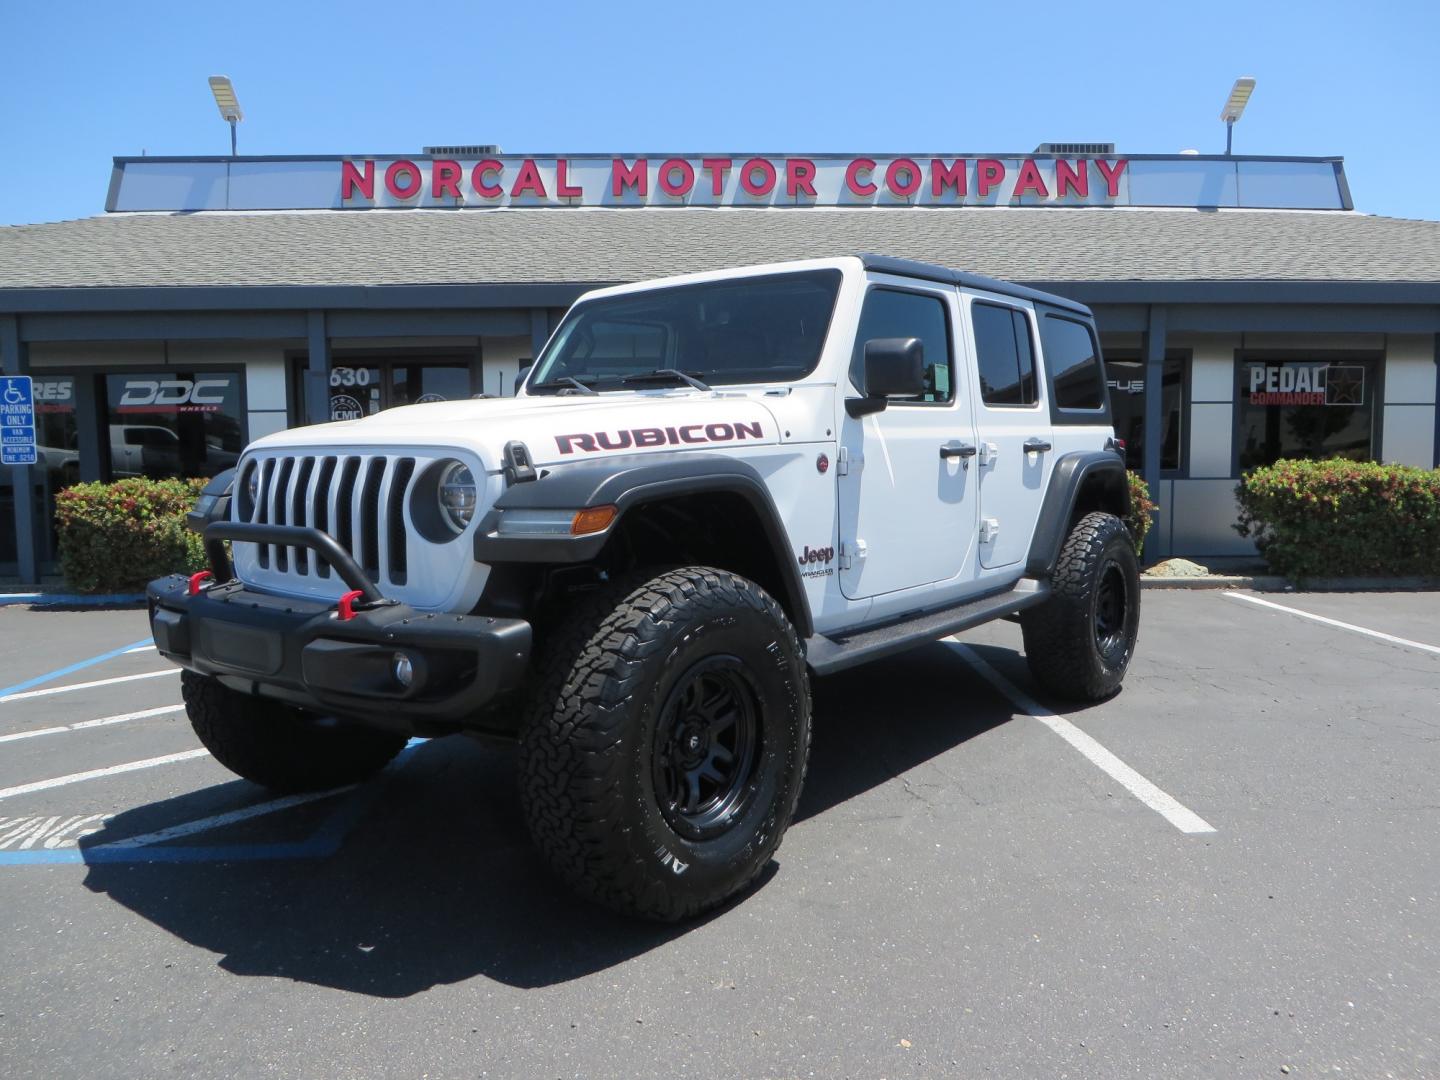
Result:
906,493
1016,447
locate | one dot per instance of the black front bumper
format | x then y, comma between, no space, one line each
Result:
302,652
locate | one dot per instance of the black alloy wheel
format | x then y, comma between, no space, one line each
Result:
1079,643
1111,603
707,747
665,739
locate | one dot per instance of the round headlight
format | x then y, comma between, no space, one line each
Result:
457,495
252,483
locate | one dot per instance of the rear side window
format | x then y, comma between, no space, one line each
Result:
1004,355
890,313
1073,362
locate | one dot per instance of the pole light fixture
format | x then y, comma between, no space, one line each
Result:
1235,106
228,103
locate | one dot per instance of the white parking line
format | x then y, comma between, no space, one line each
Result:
87,685
104,721
189,828
1164,804
1337,623
95,774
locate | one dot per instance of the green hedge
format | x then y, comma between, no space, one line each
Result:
1142,511
116,537
1343,518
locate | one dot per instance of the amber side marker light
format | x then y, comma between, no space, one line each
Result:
593,520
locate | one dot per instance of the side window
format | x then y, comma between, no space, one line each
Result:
1073,361
890,313
1004,355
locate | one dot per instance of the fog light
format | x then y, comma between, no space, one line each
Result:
403,670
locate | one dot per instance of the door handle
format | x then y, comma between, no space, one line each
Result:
1036,446
960,450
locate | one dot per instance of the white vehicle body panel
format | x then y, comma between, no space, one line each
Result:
901,523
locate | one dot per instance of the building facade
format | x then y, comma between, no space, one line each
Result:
1247,311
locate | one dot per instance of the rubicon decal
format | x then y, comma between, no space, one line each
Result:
640,438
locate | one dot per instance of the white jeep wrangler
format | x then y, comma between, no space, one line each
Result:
706,489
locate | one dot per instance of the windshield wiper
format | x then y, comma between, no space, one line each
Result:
665,373
566,380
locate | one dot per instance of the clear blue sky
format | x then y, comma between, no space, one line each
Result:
81,82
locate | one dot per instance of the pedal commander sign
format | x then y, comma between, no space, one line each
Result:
728,181
1306,384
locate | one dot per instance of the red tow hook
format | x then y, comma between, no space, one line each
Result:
196,580
346,610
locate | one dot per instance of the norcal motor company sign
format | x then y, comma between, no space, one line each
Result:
736,180
457,182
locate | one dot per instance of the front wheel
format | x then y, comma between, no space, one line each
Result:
1080,641
280,747
665,742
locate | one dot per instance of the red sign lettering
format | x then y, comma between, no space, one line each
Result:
944,176
766,183
669,185
411,187
989,174
852,176
352,178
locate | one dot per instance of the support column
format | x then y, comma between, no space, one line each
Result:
1154,395
13,361
89,416
317,371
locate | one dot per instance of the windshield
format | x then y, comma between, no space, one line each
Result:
747,330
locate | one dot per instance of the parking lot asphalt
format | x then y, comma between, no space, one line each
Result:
968,890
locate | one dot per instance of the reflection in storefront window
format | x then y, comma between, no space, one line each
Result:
1306,408
415,384
173,423
1126,377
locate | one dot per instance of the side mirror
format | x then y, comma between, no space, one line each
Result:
520,377
894,367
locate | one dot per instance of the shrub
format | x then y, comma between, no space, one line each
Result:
116,537
1142,511
1343,518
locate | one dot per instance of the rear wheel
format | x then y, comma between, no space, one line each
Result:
280,747
1080,641
665,741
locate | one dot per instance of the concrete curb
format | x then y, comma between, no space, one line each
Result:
50,599
1274,583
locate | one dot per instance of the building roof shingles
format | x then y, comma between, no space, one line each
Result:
513,246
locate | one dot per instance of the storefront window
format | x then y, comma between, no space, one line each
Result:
415,384
1126,377
354,391
173,423
1306,408
363,387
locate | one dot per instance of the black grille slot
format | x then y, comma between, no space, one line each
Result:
370,517
298,504
262,510
282,485
395,519
322,506
344,523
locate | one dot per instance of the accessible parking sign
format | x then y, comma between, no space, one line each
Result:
17,420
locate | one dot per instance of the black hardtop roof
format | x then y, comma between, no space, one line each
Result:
887,264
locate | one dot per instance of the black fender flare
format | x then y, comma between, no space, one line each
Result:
628,481
1068,478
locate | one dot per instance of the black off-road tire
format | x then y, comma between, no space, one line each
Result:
625,683
279,747
1080,641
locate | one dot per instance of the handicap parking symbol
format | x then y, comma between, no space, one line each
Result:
17,421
